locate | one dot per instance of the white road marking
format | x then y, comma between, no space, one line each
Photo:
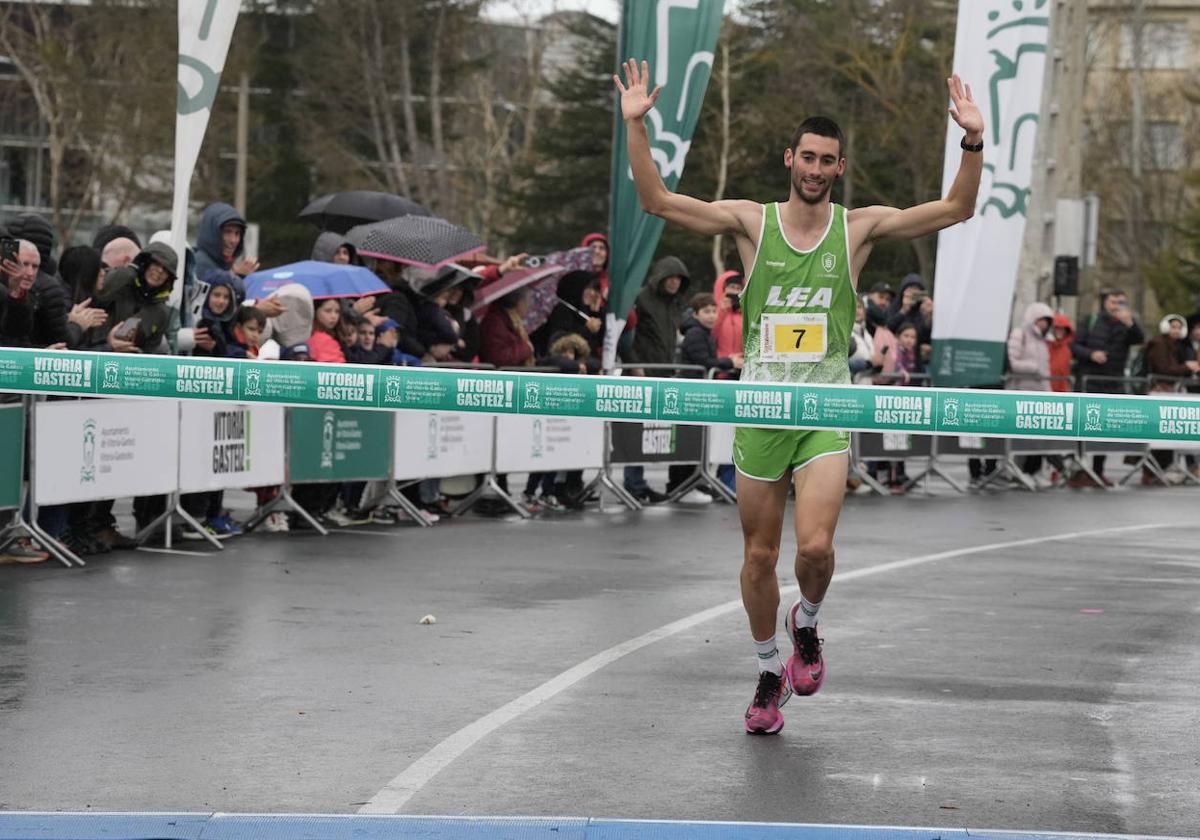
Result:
396,793
178,551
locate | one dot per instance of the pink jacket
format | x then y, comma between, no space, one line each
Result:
325,348
728,329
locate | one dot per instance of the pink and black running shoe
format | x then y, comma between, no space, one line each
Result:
763,716
806,666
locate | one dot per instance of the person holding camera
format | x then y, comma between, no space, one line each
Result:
728,330
1101,349
18,302
135,298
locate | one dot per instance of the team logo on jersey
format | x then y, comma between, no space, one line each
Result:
828,262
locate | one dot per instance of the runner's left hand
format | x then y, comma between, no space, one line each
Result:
964,111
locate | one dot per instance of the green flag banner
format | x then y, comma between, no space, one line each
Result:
944,411
12,468
677,39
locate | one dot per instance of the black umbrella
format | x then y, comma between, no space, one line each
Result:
341,211
416,240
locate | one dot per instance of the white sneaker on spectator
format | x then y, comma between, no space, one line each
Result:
276,523
695,497
404,516
338,517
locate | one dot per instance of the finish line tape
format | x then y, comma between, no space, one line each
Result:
937,411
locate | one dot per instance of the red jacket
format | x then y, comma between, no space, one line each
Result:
1060,354
325,348
728,329
499,342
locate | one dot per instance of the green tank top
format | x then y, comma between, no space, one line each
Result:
798,306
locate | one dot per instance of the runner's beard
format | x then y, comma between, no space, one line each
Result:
798,186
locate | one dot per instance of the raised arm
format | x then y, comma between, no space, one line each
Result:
959,203
704,217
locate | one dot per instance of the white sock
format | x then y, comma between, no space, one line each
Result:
767,654
806,615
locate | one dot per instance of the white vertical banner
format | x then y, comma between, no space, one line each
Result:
1000,51
205,30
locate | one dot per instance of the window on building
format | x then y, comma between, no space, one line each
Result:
1163,146
1165,45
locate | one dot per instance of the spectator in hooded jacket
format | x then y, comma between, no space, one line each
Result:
1029,351
580,312
333,247
659,310
217,316
1060,353
219,247
140,289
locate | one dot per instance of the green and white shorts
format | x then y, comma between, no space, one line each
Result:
768,454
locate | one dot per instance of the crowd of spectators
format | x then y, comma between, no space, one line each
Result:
114,295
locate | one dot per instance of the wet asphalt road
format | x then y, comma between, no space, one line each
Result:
1041,686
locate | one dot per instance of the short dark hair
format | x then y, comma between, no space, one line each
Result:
1105,294
250,313
822,127
702,300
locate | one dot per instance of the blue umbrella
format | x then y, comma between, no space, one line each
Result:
322,279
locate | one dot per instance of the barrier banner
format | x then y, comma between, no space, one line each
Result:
970,446
1153,418
720,444
104,449
885,446
656,443
437,445
230,446
329,444
545,444
12,432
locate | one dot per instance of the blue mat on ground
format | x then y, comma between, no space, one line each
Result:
66,826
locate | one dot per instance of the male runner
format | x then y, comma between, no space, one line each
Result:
802,258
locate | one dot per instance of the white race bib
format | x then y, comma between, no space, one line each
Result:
794,338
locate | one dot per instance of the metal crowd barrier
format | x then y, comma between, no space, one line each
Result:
702,475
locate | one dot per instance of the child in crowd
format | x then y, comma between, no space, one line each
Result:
366,350
247,332
387,335
217,315
324,344
908,357
700,348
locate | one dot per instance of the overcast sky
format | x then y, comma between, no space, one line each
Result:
533,9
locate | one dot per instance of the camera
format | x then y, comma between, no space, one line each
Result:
9,248
533,262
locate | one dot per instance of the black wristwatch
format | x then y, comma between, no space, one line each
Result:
967,147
